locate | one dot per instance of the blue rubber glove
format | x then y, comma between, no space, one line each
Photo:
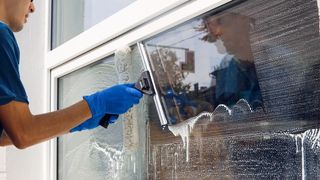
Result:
115,100
93,123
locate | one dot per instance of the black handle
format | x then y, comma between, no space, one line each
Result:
104,122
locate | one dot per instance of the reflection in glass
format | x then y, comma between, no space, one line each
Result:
235,75
72,17
259,53
205,63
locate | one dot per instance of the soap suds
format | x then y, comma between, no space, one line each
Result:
184,128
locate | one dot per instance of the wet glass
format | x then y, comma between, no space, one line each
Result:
240,86
72,17
229,62
204,64
99,153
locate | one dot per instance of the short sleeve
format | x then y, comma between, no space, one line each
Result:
11,87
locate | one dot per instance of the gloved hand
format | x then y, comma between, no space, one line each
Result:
93,123
114,100
117,99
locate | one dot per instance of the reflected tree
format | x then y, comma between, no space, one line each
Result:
169,70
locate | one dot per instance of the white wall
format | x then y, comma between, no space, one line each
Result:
30,164
3,168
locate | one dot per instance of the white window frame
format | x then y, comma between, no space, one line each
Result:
87,48
113,26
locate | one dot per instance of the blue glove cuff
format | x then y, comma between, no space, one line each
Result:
90,101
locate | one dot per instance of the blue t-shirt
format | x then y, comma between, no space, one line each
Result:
11,87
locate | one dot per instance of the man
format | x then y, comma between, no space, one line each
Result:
19,126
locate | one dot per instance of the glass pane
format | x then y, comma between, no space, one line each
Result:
99,153
72,17
237,61
240,86
197,72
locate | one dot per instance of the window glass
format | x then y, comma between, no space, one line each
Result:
235,60
204,64
72,17
99,153
240,87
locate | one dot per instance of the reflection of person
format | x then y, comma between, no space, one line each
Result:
17,125
236,76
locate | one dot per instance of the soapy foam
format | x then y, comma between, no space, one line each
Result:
184,128
115,158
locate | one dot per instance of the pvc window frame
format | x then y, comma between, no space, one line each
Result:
88,48
119,23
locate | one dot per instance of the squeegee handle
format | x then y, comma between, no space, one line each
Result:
104,122
143,84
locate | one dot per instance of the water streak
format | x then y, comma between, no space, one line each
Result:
184,129
115,158
154,159
318,3
308,137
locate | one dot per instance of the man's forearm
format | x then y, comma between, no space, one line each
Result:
25,129
60,122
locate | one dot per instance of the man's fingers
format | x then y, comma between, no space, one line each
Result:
134,92
131,85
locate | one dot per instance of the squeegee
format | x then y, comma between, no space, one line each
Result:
143,84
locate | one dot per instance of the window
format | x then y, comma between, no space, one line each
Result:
237,85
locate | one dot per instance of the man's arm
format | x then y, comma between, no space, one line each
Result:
25,129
